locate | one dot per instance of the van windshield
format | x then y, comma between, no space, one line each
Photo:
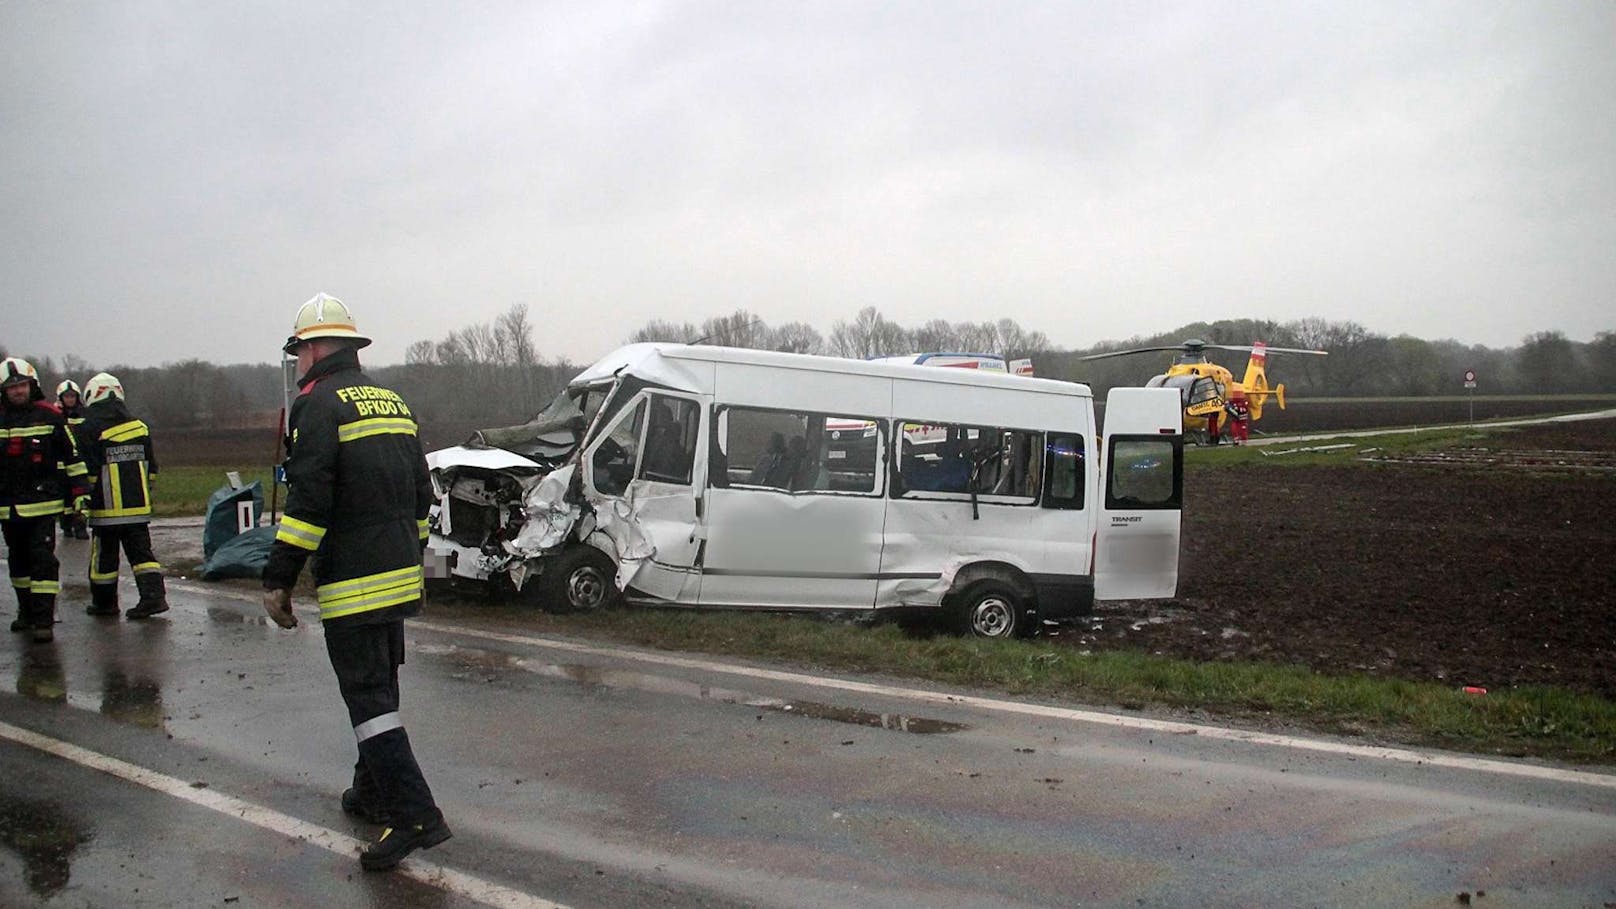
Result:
555,432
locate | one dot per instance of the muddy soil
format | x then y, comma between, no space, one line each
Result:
1464,574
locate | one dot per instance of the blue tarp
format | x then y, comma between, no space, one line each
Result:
242,557
226,553
220,525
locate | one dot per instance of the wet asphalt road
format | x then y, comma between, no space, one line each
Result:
196,759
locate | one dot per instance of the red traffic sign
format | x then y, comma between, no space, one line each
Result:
1470,375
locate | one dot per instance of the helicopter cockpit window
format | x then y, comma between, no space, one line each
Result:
1183,383
1204,390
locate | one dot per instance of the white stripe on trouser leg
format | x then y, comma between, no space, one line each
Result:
377,725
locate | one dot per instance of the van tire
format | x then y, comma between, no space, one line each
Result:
993,609
580,579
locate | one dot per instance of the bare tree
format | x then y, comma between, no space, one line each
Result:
977,337
935,336
1545,362
869,335
660,330
738,329
1356,355
796,337
421,352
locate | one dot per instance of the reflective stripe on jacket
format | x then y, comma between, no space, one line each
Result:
358,500
40,468
118,452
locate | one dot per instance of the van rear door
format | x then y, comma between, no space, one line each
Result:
1142,480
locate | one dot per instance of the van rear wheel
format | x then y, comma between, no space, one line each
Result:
993,609
580,579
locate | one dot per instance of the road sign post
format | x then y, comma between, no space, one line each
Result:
1470,386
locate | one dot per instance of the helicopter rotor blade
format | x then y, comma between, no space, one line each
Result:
1299,350
1124,353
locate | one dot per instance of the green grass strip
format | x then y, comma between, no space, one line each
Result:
1541,722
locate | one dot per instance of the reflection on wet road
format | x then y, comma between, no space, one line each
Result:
485,660
44,836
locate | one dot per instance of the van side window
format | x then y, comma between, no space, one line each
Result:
796,451
670,440
1144,473
963,459
617,454
1064,461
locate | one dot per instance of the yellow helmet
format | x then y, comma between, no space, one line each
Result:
324,317
66,386
103,386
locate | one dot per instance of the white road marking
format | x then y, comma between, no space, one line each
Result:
447,879
1170,727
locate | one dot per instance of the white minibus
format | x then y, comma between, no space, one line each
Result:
705,476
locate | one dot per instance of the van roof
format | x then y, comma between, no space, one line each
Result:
650,361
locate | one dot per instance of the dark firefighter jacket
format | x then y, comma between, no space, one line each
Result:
40,470
118,454
358,500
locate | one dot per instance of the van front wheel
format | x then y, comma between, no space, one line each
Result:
993,609
580,579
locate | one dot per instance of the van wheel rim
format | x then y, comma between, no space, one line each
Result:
992,617
586,588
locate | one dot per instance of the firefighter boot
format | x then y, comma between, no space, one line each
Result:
25,599
398,842
153,595
44,617
103,600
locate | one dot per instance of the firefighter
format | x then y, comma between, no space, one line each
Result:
118,452
40,476
69,400
358,500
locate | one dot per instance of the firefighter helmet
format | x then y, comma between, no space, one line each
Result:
102,387
324,317
66,386
15,371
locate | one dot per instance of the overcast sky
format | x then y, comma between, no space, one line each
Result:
179,177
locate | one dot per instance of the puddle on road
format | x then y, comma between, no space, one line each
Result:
227,616
485,660
45,837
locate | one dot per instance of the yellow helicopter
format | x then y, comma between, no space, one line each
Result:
1207,389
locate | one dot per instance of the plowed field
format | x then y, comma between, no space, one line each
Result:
1479,570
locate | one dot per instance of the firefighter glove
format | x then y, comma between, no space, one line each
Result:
278,605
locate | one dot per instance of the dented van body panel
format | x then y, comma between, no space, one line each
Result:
709,477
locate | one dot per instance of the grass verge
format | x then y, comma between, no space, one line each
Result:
1536,722
182,491
1343,449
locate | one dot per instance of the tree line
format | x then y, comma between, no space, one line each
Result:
492,373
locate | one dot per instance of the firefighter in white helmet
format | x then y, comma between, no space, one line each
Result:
70,401
40,477
122,462
358,499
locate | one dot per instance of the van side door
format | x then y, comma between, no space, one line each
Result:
1142,480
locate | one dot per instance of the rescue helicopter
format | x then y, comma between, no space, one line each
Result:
1206,389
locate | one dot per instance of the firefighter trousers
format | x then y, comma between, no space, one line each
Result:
366,660
135,540
31,558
